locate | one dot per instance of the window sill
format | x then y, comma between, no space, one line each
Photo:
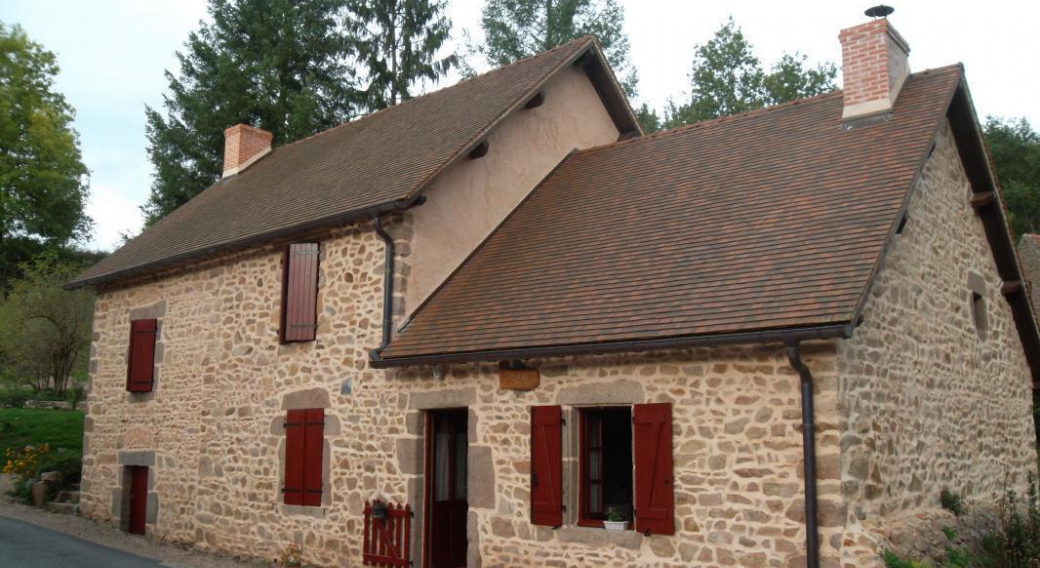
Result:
316,511
593,536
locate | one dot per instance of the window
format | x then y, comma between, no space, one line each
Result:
299,292
978,313
977,285
140,373
304,449
624,461
606,464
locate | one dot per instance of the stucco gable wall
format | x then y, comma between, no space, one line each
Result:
471,198
926,403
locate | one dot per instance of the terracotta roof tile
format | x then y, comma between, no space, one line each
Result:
772,219
376,160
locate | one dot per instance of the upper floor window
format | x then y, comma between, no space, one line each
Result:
140,372
299,292
978,304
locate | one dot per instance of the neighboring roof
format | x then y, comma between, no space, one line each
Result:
356,168
772,220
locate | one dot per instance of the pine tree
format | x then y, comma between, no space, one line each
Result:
514,29
727,78
397,42
280,65
43,182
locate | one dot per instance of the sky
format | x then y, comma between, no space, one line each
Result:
114,53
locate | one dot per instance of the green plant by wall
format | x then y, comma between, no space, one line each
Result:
951,502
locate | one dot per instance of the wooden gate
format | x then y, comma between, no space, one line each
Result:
387,540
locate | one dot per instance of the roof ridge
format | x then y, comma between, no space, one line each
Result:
440,90
712,121
745,114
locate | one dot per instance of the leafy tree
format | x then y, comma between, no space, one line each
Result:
43,182
648,119
280,65
727,78
514,29
45,329
1015,149
398,40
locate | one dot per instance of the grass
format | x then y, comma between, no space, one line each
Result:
20,427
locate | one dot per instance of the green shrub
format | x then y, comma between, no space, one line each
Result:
951,502
892,560
68,463
14,398
950,533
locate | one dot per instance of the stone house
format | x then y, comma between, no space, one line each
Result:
762,340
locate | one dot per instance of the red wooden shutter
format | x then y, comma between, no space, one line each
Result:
546,466
314,448
141,364
655,499
304,449
299,292
295,434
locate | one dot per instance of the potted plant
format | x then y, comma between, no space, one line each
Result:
615,522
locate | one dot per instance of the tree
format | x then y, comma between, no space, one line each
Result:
43,182
727,78
45,329
1015,149
514,29
280,65
398,41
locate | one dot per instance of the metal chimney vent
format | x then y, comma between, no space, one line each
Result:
880,11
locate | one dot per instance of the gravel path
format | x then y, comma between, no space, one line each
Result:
114,542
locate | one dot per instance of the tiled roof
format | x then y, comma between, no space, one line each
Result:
370,162
775,219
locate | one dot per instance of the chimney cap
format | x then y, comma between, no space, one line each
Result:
879,11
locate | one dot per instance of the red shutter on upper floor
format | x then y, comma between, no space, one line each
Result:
314,446
299,292
141,363
304,451
655,499
546,466
295,434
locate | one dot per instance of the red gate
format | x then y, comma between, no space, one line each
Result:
387,540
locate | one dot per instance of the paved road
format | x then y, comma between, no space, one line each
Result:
28,546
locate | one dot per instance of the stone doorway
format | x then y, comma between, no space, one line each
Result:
447,488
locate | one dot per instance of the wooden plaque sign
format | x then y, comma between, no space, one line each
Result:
518,379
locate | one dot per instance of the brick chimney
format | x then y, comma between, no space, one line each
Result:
244,145
874,63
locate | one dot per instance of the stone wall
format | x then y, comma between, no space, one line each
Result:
928,400
736,444
1029,256
212,430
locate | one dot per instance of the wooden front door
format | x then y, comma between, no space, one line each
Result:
448,503
138,499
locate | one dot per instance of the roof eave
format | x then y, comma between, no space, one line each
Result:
978,165
841,330
175,260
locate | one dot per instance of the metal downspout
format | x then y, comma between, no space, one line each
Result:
388,284
812,536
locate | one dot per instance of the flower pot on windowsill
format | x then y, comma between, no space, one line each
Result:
615,525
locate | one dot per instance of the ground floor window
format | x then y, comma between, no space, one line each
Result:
624,456
606,464
304,457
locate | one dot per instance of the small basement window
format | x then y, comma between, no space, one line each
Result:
606,464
